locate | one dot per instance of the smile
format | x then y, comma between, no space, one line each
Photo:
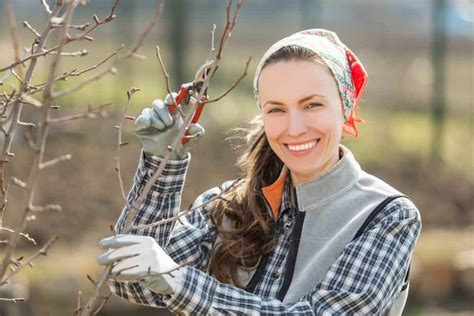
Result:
302,147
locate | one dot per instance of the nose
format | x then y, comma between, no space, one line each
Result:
296,123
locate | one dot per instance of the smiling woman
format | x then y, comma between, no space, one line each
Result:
304,231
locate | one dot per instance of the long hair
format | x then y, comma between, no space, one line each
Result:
241,218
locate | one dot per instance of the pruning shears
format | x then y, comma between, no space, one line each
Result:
189,91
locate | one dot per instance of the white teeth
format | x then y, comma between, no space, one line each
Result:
305,146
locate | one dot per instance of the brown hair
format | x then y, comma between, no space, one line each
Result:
241,218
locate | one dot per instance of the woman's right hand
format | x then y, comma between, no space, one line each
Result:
156,128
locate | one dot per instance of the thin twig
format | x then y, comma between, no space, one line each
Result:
46,6
98,22
184,212
105,300
42,252
111,70
79,53
46,208
32,29
150,26
27,236
13,300
130,94
167,80
91,114
23,60
79,308
234,84
55,161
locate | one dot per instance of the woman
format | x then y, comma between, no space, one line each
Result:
305,231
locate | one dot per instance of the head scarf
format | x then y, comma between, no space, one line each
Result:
350,75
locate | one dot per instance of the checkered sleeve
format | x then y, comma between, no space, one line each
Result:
364,279
188,241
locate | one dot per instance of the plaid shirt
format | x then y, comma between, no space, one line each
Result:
373,259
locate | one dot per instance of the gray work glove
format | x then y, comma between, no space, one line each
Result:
156,128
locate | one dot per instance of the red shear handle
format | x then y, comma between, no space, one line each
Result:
180,98
195,118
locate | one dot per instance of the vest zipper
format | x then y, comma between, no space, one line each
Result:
293,253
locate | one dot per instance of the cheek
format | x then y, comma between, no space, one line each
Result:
273,127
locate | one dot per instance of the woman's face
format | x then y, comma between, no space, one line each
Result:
302,116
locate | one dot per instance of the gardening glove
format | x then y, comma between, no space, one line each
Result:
139,258
156,128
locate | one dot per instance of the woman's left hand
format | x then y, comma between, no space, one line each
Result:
139,258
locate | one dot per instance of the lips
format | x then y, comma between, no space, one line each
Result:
302,148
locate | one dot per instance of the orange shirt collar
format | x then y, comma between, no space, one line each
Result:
273,193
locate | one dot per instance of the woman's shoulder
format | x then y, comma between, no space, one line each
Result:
400,210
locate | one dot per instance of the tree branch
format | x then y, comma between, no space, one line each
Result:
184,212
130,94
42,252
234,84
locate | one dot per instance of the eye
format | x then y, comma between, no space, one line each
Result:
313,105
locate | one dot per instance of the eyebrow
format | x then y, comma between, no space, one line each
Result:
299,101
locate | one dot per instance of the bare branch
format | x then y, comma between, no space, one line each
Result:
167,79
91,279
213,33
119,272
98,22
42,252
234,84
79,53
46,208
29,125
105,300
27,236
29,27
35,55
46,6
130,93
91,114
18,182
79,308
111,70
87,310
13,300
184,212
82,27
41,141
55,161
13,30
150,26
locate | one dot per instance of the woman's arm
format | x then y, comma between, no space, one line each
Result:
364,279
188,241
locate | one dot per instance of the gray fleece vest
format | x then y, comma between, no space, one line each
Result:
332,211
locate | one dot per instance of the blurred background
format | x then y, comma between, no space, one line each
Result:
418,135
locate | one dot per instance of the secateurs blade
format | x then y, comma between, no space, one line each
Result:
190,91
